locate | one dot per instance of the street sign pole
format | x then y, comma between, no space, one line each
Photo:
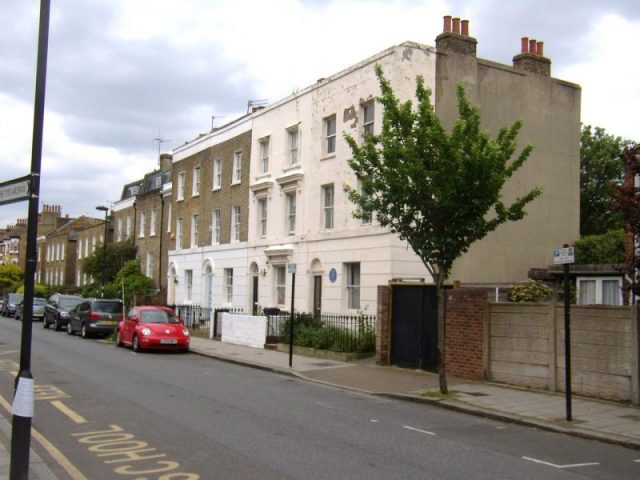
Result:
566,256
292,270
22,408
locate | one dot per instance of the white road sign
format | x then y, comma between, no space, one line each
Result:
563,255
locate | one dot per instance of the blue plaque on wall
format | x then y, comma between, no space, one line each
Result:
333,275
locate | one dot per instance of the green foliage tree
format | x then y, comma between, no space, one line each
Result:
108,263
11,278
39,290
130,279
605,248
627,202
600,172
440,192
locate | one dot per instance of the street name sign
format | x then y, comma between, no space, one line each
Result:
14,190
292,267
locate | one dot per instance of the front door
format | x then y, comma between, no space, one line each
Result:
317,295
414,326
254,302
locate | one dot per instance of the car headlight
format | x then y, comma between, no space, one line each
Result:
146,331
185,332
64,314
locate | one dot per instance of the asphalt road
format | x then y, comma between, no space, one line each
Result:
109,413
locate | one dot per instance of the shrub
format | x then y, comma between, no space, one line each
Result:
531,291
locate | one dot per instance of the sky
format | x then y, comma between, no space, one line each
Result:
125,72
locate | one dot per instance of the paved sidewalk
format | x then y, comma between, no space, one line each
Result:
601,420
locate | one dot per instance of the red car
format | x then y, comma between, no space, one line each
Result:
151,327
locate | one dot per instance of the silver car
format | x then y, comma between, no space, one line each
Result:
38,309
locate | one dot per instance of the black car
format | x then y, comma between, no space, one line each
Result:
9,307
56,311
95,316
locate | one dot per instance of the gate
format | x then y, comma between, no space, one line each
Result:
414,326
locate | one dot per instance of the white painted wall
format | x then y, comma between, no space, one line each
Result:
315,250
244,330
219,257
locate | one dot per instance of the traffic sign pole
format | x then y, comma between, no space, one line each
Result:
566,256
22,408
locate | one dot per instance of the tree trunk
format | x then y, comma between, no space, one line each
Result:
442,372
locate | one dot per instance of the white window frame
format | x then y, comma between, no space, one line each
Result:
291,206
150,264
368,121
169,219
235,223
329,129
195,230
237,168
217,174
280,282
215,227
599,290
180,192
129,227
352,278
195,187
179,233
262,217
328,206
293,142
188,282
143,220
264,154
152,222
228,284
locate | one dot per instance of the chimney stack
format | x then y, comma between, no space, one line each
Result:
531,58
455,37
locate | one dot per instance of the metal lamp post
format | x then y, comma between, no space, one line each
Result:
104,248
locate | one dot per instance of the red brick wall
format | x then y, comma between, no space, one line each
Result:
464,349
383,326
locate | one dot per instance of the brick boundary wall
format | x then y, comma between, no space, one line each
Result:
383,326
465,336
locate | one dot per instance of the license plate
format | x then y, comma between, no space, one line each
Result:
108,322
168,341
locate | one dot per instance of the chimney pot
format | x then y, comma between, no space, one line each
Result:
540,48
465,27
456,25
447,23
525,45
532,47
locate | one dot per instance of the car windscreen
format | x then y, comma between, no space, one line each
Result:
107,307
69,303
157,316
39,301
15,297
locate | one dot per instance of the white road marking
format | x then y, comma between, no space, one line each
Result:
373,420
573,465
325,405
418,430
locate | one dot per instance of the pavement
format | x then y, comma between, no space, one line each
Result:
595,419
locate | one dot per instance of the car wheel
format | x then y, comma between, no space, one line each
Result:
45,324
118,340
83,331
184,350
135,344
69,328
56,327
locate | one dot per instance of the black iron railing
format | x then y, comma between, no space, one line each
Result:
198,318
337,333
